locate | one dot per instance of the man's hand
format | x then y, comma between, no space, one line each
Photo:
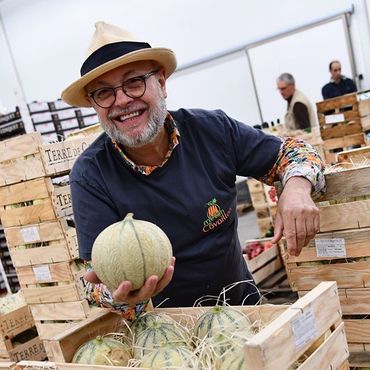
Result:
124,293
297,216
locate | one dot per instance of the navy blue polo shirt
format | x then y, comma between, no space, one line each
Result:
181,198
332,89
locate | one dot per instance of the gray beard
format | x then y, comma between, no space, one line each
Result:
157,117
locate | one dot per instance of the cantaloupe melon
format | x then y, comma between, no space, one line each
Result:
157,335
102,351
170,357
220,319
130,250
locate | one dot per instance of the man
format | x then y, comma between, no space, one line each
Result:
166,167
299,115
339,84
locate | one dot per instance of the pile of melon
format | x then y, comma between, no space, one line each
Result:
214,340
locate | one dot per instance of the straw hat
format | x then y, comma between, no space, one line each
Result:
112,47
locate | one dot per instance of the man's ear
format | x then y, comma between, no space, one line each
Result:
162,81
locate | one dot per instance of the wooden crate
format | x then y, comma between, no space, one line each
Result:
18,336
339,116
46,242
49,283
354,156
333,146
341,251
26,157
263,350
266,263
34,201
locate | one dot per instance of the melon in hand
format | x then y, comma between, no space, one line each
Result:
130,250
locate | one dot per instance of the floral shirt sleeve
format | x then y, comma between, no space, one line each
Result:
297,158
99,295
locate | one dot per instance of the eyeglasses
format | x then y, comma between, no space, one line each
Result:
134,87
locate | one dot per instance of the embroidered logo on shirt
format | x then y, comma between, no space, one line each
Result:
215,216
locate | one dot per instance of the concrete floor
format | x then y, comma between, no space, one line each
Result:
247,226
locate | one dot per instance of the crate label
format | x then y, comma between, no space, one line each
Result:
334,118
304,328
30,234
330,247
42,273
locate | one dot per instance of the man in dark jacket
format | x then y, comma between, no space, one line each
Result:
339,84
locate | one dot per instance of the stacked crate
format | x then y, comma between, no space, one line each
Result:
264,203
364,109
340,125
10,282
310,331
11,125
18,337
341,252
56,120
36,214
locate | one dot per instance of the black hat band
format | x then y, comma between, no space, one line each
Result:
110,52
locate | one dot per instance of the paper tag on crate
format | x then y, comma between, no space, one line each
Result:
330,247
42,273
304,328
334,118
30,234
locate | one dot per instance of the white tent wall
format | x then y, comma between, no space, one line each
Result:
43,42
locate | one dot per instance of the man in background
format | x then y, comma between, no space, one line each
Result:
299,115
339,84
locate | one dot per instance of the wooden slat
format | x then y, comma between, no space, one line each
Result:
358,155
47,331
357,244
21,170
38,256
348,183
32,214
357,331
329,132
26,365
345,216
20,146
53,294
42,232
31,350
59,157
345,141
60,311
364,107
347,275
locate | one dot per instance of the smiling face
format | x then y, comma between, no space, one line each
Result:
133,122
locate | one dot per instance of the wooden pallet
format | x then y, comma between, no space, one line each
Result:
263,350
339,116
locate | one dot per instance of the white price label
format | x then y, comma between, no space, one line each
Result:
304,328
330,247
334,118
30,234
42,273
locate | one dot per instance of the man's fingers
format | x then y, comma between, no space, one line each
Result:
91,277
278,229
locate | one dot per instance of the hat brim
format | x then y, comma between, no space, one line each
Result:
75,94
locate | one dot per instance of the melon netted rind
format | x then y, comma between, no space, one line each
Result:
130,250
102,351
147,319
170,357
159,334
218,319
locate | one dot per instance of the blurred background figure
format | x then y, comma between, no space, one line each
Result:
339,84
299,115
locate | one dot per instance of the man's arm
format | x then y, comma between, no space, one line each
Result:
300,169
301,116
